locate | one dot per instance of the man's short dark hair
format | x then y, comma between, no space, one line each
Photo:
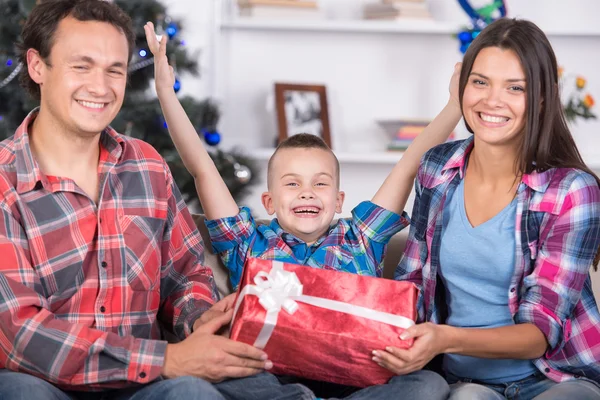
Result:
303,141
39,31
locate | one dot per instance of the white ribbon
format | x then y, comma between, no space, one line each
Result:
282,289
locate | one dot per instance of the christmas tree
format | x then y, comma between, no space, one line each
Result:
140,116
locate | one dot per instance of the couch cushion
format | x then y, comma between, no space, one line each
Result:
213,261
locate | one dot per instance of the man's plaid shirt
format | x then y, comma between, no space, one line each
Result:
84,285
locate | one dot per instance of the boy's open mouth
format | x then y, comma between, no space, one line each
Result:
307,211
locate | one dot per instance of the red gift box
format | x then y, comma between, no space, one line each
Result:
303,318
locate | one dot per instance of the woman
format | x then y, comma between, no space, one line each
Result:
505,228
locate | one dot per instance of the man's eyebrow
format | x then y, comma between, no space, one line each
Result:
90,60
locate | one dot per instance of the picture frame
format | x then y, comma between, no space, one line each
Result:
302,108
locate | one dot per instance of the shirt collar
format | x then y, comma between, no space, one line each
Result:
28,170
538,181
291,239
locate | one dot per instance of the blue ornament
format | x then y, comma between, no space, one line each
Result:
212,138
172,30
9,63
143,53
177,85
464,47
1,117
165,125
465,37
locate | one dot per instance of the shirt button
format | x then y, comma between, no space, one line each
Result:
546,370
104,264
142,375
512,290
100,220
102,309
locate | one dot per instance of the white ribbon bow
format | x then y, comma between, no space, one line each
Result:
281,289
276,289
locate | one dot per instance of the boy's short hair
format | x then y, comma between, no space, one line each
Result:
303,141
39,30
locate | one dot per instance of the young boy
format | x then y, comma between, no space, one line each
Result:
303,193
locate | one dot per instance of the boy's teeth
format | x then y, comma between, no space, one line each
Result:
489,118
304,210
91,105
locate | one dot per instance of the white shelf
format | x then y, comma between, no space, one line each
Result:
348,26
412,26
378,157
381,157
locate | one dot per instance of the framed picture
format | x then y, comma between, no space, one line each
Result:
302,109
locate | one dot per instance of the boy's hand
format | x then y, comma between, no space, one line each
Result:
164,75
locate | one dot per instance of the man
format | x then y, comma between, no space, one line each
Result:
96,244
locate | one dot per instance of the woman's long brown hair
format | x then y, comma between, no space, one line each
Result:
547,142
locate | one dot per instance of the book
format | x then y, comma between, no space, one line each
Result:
396,10
280,13
279,3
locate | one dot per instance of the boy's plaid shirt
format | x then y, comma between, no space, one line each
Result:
557,236
354,245
82,286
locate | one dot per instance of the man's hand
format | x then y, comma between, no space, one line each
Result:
164,75
213,358
428,344
217,310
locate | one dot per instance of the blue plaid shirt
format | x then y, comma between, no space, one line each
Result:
557,235
355,244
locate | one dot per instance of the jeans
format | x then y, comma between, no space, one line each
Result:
536,387
418,385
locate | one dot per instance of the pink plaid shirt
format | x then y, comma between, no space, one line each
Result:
83,286
557,235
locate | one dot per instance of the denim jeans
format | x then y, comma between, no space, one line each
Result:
419,385
535,387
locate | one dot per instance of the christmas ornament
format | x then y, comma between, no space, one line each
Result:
480,18
212,138
172,30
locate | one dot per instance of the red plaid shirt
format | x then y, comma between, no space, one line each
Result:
84,286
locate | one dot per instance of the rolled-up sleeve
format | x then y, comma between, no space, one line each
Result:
231,238
567,245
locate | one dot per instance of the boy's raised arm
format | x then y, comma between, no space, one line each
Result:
214,195
396,188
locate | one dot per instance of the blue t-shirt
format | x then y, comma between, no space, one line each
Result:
476,266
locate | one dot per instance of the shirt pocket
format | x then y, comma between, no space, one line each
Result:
143,244
338,258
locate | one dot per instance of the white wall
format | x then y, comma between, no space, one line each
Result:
368,76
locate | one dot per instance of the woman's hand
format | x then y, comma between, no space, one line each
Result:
164,76
454,84
429,342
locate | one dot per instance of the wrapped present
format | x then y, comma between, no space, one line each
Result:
322,324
